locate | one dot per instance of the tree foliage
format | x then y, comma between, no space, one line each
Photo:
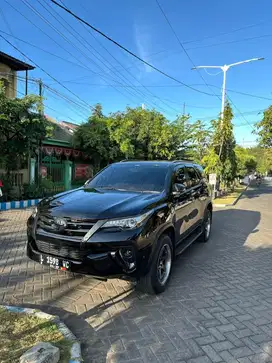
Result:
221,158
22,127
93,137
246,162
201,136
142,134
264,129
263,158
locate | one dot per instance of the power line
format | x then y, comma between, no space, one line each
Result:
58,44
49,107
43,70
125,49
70,101
245,93
120,76
6,22
204,46
182,46
229,42
254,112
243,117
225,33
175,85
198,40
68,40
43,50
63,96
74,45
122,66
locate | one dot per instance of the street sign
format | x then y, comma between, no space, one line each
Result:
212,179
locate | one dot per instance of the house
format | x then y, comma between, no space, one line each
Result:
9,66
55,159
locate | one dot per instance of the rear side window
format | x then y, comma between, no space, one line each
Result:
193,176
200,171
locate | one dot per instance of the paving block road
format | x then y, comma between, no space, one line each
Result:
218,307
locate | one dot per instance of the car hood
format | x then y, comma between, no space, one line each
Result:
100,204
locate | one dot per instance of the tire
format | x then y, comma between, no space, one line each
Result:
156,280
207,224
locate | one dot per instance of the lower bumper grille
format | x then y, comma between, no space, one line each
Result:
61,249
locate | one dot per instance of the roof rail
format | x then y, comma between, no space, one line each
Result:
182,161
123,161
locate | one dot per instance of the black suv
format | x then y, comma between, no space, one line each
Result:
129,221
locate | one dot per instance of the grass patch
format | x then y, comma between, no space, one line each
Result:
230,197
19,332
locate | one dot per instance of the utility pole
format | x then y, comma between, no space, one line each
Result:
40,87
26,83
184,107
39,141
224,69
41,94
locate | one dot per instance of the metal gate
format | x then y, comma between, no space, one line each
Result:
55,171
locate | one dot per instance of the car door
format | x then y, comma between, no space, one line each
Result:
194,190
182,204
205,191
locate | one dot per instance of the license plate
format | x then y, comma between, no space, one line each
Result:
55,262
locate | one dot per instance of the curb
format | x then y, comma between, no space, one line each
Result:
75,356
19,204
234,202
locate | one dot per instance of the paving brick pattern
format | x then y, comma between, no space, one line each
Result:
218,307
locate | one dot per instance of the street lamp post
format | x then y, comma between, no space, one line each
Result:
224,69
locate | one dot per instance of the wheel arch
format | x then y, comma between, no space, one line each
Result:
210,208
168,230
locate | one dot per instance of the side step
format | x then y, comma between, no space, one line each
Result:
188,241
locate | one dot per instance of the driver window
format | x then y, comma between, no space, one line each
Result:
180,176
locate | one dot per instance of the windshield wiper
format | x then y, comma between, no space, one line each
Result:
109,188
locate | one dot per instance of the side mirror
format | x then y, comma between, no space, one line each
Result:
178,189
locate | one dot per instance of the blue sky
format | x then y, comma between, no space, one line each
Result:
115,79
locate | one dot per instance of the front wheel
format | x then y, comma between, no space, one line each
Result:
207,225
156,280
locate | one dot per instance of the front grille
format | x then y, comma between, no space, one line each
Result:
75,227
61,249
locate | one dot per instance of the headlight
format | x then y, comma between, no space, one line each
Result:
34,213
128,223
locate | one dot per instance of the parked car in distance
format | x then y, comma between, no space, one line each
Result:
129,221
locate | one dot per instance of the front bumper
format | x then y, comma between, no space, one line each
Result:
104,265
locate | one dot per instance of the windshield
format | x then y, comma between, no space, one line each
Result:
133,177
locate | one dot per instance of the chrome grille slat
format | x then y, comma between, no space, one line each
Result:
60,250
76,228
41,232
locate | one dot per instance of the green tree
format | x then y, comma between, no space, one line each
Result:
263,158
264,129
93,137
182,141
142,134
246,162
22,127
221,158
201,136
